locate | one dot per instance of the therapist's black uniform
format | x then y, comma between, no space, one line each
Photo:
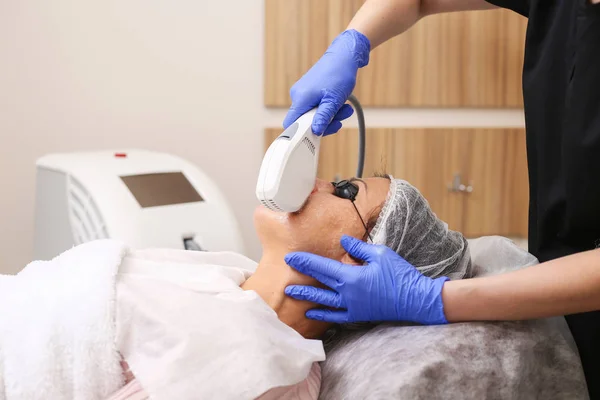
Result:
561,87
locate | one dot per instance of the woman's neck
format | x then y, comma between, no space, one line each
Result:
269,281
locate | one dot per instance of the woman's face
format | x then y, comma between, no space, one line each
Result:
319,225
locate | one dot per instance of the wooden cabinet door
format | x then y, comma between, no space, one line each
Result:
428,159
488,165
339,153
466,59
497,171
338,157
491,162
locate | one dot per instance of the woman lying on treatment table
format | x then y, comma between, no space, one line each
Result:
105,321
316,228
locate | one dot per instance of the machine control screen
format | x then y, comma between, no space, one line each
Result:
161,189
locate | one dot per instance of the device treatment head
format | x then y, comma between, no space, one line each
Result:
289,169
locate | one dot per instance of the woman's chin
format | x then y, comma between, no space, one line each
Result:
263,212
268,222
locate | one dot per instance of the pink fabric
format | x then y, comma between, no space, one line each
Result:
132,391
308,389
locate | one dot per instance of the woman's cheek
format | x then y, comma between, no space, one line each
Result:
335,225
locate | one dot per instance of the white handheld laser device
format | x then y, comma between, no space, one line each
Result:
289,169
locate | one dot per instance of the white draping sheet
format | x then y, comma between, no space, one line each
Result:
188,331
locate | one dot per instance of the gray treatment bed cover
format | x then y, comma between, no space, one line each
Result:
495,360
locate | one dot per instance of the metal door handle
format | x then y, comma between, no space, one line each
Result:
456,186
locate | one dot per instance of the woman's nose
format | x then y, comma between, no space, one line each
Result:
322,186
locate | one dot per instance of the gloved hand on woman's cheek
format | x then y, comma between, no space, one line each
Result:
387,288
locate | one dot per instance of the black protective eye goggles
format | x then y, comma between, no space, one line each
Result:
348,190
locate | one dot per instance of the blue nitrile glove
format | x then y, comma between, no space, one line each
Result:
386,289
329,83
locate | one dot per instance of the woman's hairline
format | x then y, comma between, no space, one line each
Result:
374,214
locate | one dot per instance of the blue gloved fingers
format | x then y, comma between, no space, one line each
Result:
333,128
345,112
295,112
331,103
334,317
323,269
359,249
324,297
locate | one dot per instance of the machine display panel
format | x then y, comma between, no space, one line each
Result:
161,189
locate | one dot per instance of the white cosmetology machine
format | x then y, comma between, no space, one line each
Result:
289,169
141,198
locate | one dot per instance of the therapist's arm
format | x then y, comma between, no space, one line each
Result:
563,286
381,20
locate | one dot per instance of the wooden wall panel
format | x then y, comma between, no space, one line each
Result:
469,59
497,170
492,161
339,153
428,159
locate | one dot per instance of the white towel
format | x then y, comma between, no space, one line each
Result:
188,331
57,336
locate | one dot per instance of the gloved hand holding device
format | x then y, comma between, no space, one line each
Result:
387,288
329,83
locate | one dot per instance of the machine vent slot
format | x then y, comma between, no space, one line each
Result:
86,222
82,228
78,236
309,144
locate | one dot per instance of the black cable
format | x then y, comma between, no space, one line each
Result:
363,222
361,134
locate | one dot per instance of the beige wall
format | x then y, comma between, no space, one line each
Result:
183,77
177,76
